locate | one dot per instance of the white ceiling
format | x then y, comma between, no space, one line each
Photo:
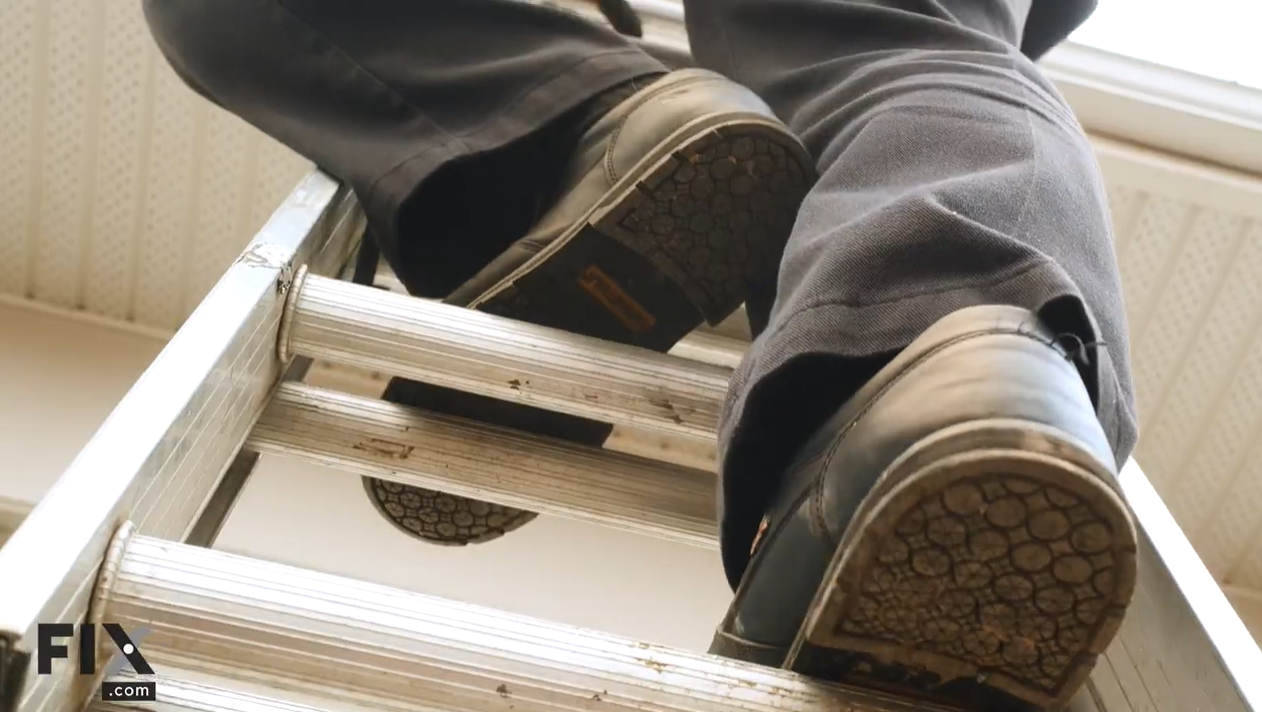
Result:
122,195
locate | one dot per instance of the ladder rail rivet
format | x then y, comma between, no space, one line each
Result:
285,280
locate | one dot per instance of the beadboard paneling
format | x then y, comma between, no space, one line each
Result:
122,193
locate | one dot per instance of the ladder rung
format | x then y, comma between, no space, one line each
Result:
501,358
734,328
323,635
711,348
721,345
379,439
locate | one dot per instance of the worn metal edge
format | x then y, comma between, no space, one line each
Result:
218,369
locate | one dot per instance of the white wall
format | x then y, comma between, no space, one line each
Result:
59,379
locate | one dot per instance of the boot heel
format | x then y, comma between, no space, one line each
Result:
994,572
714,216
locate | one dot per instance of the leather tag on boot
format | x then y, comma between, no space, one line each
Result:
615,300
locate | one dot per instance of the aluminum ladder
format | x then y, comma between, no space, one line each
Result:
123,536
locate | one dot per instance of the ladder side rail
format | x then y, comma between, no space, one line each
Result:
219,506
158,456
1182,645
205,530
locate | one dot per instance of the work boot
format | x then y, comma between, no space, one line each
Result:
954,532
676,205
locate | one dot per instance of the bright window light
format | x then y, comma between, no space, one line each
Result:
1214,38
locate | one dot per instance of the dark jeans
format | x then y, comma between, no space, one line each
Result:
953,174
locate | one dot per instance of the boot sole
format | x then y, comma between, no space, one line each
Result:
683,238
442,519
637,269
989,568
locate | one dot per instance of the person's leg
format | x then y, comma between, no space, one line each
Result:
516,160
952,176
384,94
392,95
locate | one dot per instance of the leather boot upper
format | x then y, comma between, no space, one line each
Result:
978,363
